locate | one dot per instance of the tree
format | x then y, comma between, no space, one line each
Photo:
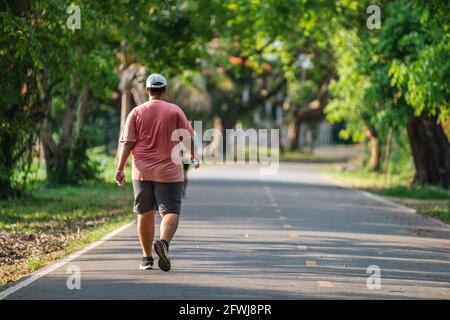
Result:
421,77
71,70
21,106
394,79
255,53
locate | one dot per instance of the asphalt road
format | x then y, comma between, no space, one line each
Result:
294,235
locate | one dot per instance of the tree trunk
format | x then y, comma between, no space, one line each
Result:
374,161
226,122
125,108
71,100
308,111
52,154
293,133
57,155
430,150
138,96
374,147
125,88
81,110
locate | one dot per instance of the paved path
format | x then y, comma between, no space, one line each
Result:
294,235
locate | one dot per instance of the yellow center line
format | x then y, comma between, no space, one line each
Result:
287,226
311,263
325,284
302,247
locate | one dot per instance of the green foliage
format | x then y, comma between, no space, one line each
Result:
387,75
81,167
39,51
230,47
301,92
19,111
349,91
383,76
423,75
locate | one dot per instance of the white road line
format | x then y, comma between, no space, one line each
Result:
56,265
386,201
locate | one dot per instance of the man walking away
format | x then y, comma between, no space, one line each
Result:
157,179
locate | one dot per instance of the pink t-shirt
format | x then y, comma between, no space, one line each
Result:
150,126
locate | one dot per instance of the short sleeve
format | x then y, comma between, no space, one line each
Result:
129,133
183,123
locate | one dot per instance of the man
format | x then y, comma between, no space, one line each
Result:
157,179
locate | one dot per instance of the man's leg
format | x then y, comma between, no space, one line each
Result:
146,231
168,197
169,225
144,205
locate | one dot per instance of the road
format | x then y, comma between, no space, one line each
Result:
294,235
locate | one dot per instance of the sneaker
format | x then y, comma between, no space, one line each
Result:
147,263
162,251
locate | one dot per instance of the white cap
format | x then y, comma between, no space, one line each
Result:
155,80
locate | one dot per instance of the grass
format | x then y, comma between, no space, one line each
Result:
301,156
48,208
427,200
293,156
50,222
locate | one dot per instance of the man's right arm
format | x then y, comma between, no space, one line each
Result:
124,153
128,139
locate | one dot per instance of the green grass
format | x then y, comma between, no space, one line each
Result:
70,216
427,200
65,207
45,207
299,156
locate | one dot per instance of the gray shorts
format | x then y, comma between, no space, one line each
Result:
162,196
